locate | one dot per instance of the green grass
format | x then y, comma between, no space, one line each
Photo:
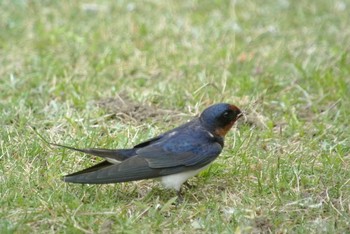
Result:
286,63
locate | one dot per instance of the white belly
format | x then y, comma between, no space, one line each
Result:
176,180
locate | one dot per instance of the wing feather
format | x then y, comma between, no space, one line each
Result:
182,154
135,168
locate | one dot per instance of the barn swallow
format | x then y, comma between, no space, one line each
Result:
173,156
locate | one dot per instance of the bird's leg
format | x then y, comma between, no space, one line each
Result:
180,197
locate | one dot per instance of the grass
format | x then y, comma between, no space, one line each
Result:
286,169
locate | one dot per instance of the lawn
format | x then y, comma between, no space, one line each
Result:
111,74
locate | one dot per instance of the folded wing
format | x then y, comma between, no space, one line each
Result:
150,162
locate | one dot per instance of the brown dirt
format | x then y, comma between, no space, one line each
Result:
126,110
262,225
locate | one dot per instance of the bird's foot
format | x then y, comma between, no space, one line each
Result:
188,185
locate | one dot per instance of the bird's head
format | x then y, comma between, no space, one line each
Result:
219,118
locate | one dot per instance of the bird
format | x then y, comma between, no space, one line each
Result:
173,157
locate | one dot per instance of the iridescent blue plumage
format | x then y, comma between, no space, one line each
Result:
180,152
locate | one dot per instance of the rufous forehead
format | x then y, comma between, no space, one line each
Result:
234,108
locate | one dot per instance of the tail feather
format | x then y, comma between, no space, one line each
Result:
117,154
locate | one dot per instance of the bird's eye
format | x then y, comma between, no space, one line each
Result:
226,114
